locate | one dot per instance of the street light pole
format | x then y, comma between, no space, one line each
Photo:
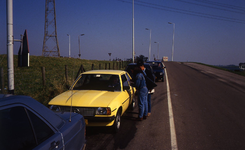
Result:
173,40
79,55
69,46
157,49
133,48
149,45
10,47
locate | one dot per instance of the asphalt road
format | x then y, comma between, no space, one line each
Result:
208,110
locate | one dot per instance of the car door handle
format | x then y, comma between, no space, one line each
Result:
54,145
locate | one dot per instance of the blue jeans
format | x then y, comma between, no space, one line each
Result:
142,102
149,103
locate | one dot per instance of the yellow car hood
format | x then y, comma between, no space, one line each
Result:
85,98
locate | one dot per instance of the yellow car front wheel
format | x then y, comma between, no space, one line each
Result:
117,122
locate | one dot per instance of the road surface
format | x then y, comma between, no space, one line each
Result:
208,113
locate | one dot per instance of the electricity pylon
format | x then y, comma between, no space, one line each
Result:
50,41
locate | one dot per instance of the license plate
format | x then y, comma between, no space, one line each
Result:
86,121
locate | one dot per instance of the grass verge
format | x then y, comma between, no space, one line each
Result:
29,80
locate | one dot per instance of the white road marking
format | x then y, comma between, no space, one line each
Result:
171,117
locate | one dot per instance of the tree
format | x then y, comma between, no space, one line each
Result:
141,57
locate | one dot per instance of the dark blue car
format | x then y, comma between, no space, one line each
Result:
131,66
26,124
158,69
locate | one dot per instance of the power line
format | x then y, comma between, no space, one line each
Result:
224,8
222,5
182,11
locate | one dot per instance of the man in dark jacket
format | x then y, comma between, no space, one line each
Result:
140,84
150,75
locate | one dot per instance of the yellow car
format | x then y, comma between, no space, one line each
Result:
101,96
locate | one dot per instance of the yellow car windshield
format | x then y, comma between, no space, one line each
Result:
105,82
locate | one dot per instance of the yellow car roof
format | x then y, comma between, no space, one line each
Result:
104,72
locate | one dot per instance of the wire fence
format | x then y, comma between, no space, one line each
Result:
44,83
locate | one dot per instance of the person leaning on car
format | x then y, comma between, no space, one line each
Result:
140,84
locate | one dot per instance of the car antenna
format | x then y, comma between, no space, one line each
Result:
71,104
71,88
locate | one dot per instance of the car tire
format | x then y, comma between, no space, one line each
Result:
117,122
162,78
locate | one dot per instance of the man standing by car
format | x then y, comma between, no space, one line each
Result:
149,74
142,90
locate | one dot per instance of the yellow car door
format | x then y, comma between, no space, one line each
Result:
126,92
132,89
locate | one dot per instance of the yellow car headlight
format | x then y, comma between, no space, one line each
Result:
103,111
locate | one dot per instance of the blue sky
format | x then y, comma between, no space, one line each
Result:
200,35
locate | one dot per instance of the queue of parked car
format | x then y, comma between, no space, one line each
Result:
158,69
96,98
